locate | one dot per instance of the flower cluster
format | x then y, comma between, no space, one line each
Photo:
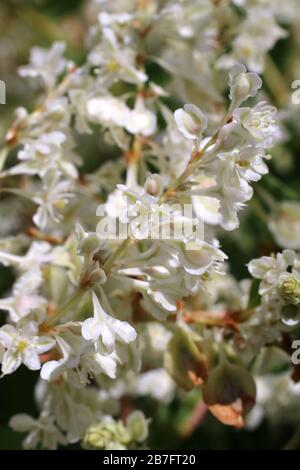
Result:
106,319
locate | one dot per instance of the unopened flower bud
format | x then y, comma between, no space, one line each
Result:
107,434
154,185
190,121
90,244
243,84
57,113
185,362
98,276
290,290
91,277
137,425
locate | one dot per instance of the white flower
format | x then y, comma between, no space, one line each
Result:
79,360
157,300
190,121
117,61
46,64
25,299
42,431
104,330
230,165
49,152
141,120
54,198
243,84
161,287
148,218
142,213
92,364
261,28
157,383
37,152
207,209
109,19
284,224
260,122
38,254
115,204
108,111
230,192
196,257
111,111
70,350
270,268
23,345
258,34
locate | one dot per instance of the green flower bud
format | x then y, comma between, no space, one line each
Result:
114,435
96,437
107,435
90,244
290,290
137,425
185,362
91,277
98,276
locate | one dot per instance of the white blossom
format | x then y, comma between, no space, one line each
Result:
42,431
141,120
23,346
259,122
25,299
52,200
38,254
243,84
104,330
191,121
46,64
108,111
117,62
79,361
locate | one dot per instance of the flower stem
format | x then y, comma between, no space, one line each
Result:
121,248
79,292
105,301
66,307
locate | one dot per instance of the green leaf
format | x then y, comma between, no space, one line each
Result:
254,298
